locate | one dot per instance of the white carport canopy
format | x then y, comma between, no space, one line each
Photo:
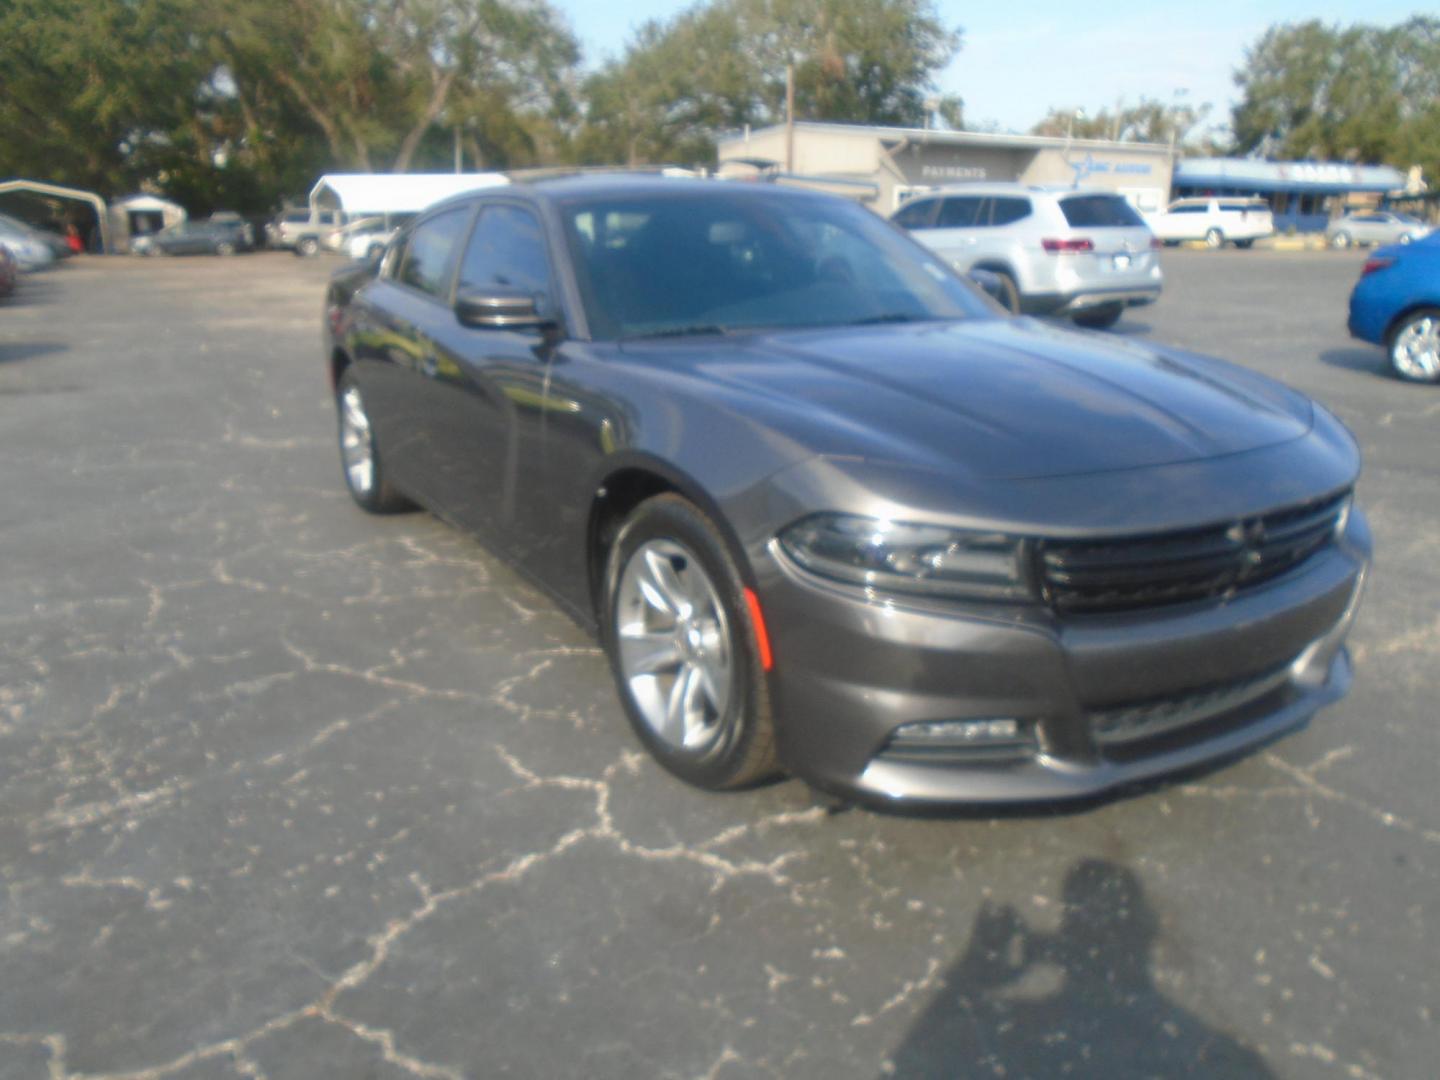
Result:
394,193
39,187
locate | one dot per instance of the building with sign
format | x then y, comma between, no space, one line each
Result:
890,164
1303,195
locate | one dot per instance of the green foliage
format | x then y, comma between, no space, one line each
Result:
1357,93
722,65
1149,121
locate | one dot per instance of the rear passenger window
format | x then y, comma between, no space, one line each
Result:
916,215
1099,212
430,250
1008,210
960,212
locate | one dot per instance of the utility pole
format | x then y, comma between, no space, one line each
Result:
790,117
458,162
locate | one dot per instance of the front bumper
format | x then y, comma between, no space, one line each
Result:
850,669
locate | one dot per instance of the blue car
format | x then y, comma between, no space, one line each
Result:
1396,303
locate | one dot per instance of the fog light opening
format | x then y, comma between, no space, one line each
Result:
988,736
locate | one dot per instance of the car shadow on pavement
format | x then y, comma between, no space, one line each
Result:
1370,360
29,350
1079,1000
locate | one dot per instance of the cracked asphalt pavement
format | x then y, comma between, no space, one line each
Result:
287,791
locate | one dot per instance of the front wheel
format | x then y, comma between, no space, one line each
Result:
1341,240
224,247
1214,238
307,246
683,649
364,472
1415,347
1099,318
1244,245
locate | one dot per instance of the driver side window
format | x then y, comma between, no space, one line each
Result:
507,248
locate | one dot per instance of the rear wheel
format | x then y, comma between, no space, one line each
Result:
1341,240
1010,292
1415,347
364,472
307,246
1099,318
224,247
683,649
1214,238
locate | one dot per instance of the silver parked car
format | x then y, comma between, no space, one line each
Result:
1060,251
1375,227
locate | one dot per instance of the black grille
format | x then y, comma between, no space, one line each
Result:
1127,723
1198,564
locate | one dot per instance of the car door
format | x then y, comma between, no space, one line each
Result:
393,320
484,394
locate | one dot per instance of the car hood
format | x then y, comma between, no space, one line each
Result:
996,398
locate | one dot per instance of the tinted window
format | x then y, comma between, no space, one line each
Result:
297,217
1006,210
959,212
917,214
746,259
1189,208
1099,212
1235,207
429,252
506,248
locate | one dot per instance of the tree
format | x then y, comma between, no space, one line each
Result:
90,84
722,66
1357,93
1148,121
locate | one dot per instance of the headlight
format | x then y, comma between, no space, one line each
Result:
897,556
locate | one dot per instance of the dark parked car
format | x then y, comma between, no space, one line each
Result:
196,238
830,510
1396,303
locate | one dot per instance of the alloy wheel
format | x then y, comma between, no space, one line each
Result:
356,448
674,644
1416,349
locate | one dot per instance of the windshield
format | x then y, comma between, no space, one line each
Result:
707,262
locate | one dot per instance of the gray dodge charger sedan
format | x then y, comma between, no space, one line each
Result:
832,512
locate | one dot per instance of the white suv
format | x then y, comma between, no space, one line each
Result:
1083,253
1238,220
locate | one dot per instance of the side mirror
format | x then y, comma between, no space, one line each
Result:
500,307
989,283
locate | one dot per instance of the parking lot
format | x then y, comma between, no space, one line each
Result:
287,791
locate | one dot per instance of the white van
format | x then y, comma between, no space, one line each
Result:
1217,221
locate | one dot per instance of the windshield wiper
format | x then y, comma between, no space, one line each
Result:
889,316
681,331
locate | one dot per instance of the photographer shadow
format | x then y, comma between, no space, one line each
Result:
1080,1001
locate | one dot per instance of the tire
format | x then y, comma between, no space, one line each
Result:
1012,291
1244,245
1406,239
1341,240
371,489
224,247
1214,239
307,246
1414,346
683,650
1100,318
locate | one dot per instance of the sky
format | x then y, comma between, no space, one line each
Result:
1020,58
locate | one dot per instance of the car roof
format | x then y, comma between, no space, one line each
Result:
1009,187
563,188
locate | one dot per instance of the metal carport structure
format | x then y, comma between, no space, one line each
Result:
56,191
